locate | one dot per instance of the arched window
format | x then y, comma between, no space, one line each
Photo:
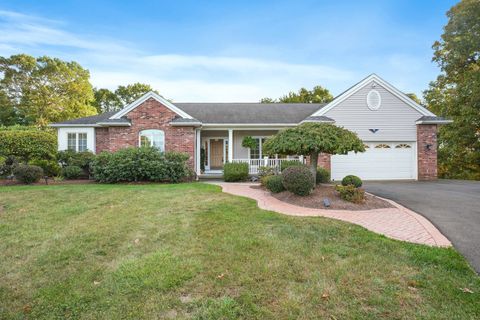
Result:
382,146
152,138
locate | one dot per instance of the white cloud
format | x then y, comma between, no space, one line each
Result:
176,76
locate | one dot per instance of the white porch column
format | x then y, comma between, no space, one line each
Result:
230,145
198,151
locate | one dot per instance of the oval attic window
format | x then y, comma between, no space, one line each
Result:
374,100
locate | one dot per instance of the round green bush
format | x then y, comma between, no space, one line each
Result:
298,180
72,172
289,163
27,174
233,172
51,168
323,175
274,183
353,180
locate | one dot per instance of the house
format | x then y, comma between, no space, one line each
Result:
400,135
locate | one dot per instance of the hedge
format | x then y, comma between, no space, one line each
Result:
298,180
27,144
233,172
140,164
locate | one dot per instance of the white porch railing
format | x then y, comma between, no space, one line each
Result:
255,164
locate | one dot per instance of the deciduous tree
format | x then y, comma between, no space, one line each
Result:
312,139
317,95
42,90
455,94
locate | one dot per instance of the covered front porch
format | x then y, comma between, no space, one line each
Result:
217,146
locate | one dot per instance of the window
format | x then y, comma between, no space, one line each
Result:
366,146
256,153
382,146
77,141
374,100
402,146
152,138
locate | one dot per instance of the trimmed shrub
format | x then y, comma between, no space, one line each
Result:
50,168
351,193
237,171
72,172
6,168
28,174
140,164
298,180
274,183
81,159
353,180
264,173
28,144
323,175
289,163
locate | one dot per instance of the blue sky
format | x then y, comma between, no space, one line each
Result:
232,50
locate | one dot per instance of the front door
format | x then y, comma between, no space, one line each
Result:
216,154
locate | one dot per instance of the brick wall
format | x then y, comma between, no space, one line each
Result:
427,157
151,114
324,161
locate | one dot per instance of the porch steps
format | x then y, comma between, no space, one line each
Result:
210,176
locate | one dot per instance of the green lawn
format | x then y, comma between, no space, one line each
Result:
191,251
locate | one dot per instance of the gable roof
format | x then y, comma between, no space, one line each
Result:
144,98
250,113
96,120
373,77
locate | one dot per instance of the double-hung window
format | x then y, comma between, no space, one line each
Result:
77,141
256,153
152,138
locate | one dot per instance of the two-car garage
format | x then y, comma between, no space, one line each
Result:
380,161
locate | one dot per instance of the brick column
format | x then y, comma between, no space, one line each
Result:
427,151
102,140
324,161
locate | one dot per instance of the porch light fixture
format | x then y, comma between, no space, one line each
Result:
428,146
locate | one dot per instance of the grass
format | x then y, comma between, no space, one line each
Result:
190,251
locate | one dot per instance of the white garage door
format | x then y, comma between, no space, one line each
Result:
380,161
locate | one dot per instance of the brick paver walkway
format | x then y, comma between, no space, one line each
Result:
398,223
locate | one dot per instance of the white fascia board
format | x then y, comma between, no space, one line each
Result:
385,84
59,125
185,124
110,124
144,98
250,124
321,121
434,122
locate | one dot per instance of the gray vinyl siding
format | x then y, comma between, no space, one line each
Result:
394,119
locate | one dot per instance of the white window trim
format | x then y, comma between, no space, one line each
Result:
77,141
260,147
225,141
151,138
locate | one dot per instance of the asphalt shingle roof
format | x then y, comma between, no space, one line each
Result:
250,113
240,113
103,117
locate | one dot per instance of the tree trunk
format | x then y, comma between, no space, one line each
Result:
313,166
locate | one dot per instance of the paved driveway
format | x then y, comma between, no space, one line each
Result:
453,206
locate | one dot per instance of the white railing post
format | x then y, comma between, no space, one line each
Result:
265,161
230,145
301,159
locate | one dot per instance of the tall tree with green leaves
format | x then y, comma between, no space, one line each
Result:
43,90
455,94
317,95
106,100
311,139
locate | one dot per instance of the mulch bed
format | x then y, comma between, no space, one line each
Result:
315,200
6,182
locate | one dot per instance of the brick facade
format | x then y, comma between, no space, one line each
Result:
427,151
151,114
324,161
